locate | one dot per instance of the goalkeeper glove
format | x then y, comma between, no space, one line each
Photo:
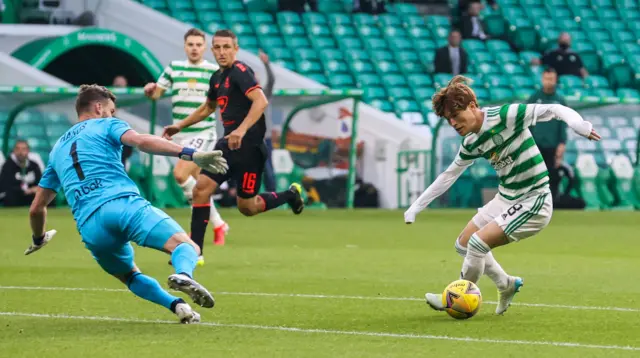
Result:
211,161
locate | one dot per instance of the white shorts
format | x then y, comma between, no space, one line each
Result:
520,218
202,141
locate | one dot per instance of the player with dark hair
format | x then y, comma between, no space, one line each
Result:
107,206
236,91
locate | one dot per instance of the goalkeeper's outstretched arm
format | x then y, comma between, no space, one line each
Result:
442,183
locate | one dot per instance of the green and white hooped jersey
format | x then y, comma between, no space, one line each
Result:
189,85
507,143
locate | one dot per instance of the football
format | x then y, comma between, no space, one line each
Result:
462,299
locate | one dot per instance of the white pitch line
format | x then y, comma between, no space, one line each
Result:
339,297
329,331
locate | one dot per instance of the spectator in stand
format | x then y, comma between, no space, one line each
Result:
472,26
452,58
297,5
563,59
269,176
463,5
373,7
120,81
550,136
19,177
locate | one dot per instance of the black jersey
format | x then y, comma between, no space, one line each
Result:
229,88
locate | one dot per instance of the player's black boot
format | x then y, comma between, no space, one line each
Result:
296,203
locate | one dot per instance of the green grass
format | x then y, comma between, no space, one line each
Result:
581,259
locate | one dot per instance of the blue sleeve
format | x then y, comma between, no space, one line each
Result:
50,179
116,129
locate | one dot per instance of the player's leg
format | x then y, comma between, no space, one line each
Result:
249,178
220,227
151,227
182,172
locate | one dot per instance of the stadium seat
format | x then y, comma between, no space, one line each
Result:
230,6
398,93
318,30
500,94
586,171
366,80
331,54
382,105
314,18
442,79
371,93
569,81
513,68
595,81
420,81
297,42
390,20
322,42
287,17
628,93
308,66
341,81
298,30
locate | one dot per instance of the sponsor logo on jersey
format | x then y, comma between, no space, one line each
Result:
192,92
87,188
497,165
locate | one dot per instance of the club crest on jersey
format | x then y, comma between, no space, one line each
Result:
497,139
192,83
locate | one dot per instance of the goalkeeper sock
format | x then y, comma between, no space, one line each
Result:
184,259
273,200
473,265
199,220
149,289
187,187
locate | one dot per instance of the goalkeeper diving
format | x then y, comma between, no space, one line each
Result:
107,206
523,205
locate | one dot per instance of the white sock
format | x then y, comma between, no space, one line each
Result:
187,187
215,217
495,272
473,265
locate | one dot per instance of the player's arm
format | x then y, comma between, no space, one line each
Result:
155,90
258,105
547,112
442,183
45,194
211,161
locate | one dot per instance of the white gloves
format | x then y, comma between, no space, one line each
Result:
211,161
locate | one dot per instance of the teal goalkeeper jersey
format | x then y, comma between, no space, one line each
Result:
86,164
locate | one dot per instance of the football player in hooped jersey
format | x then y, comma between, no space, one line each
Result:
523,205
107,207
235,90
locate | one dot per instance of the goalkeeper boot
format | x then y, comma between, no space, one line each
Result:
197,292
505,296
186,314
434,300
296,204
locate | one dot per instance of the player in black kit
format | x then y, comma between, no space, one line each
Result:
235,90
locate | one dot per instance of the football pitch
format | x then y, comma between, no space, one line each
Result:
329,284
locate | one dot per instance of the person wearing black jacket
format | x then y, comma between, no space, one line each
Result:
19,177
452,58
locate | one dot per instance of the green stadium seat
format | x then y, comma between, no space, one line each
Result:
343,31
156,4
296,30
472,45
585,13
339,19
260,18
606,15
350,43
497,46
322,42
308,66
331,54
386,67
523,93
568,24
514,68
242,29
314,18
476,80
362,19
335,66
279,53
400,44
403,9
482,94
288,64
331,7
358,66
414,21
248,42
544,23
481,57
318,77
527,56
536,13
602,92
389,20
559,13
594,81
619,73
375,43
267,30
599,4
505,57
318,30
367,80
419,33
394,33
382,56
441,33
424,44
494,25
521,81
406,56
29,119
288,17
409,67
438,21
212,27
628,93
603,181
36,143
406,106
270,41
497,81
235,17
384,106
393,80
420,81
569,81
371,93
357,54
399,93
205,17
306,54
487,68
185,16
231,6
500,94
366,31
180,5
629,15
442,79
424,93
630,49
513,12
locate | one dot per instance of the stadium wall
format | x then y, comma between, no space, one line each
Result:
384,135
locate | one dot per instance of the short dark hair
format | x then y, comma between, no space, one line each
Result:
194,32
226,33
92,93
23,141
550,70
